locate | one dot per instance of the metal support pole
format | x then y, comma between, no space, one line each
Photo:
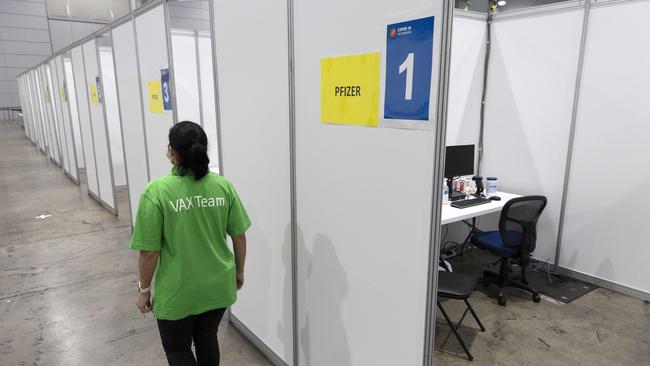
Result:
572,132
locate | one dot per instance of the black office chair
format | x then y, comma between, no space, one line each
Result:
458,286
516,239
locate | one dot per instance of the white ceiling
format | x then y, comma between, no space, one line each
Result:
92,10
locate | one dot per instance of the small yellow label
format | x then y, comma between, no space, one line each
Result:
64,98
93,94
350,89
155,96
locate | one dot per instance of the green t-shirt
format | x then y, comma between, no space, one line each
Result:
187,221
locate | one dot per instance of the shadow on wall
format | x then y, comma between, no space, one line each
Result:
321,323
285,328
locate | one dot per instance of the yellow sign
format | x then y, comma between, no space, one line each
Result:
93,94
349,89
64,98
155,97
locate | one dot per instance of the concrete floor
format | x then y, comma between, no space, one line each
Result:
600,328
68,282
67,292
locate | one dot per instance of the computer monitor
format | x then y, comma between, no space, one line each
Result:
459,160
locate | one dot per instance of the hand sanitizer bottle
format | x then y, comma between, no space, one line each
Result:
445,192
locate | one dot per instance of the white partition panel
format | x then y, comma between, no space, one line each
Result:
66,119
46,101
54,114
152,52
32,92
255,147
42,109
465,92
466,80
112,115
186,82
207,99
82,94
98,122
607,211
126,73
530,92
57,102
74,112
364,201
30,107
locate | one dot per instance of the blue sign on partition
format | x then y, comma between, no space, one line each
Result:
165,89
100,95
409,55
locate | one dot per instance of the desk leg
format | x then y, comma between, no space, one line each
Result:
472,229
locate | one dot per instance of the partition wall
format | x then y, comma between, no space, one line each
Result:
334,206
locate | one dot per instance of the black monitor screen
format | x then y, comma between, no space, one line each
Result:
459,160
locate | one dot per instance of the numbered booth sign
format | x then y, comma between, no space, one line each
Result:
166,92
409,54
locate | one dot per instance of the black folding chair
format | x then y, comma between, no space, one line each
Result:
457,286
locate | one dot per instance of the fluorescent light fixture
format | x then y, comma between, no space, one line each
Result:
501,2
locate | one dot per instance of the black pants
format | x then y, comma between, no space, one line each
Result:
177,337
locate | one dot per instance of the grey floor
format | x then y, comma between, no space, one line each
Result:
68,282
67,292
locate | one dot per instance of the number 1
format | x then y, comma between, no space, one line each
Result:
408,66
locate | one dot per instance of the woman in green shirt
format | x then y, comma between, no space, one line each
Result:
181,232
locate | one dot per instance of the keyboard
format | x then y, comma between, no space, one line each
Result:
470,202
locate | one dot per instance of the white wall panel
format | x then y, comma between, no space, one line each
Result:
152,51
74,112
530,91
186,76
98,122
364,199
207,98
607,210
53,114
43,108
56,103
126,72
112,115
83,96
66,118
465,92
256,149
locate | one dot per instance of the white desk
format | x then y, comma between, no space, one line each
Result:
452,214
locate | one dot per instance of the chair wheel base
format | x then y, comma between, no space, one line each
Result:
501,300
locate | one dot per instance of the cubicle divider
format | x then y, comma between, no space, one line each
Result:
96,97
58,103
83,109
53,114
74,112
327,252
152,52
63,95
364,197
111,109
467,70
531,82
603,239
255,149
50,125
131,102
40,103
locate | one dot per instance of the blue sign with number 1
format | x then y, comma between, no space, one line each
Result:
165,89
409,54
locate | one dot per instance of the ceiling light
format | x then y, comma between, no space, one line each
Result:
501,3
